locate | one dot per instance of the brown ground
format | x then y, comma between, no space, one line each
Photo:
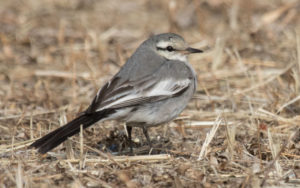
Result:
55,54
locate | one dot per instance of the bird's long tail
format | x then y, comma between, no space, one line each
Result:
56,137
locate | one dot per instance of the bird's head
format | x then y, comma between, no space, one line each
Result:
172,46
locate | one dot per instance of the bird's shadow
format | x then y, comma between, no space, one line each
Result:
117,143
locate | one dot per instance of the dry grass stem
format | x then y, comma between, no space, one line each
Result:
81,147
288,103
209,136
274,150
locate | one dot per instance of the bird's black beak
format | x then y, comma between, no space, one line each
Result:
193,50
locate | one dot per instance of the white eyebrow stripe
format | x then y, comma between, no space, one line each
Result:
163,44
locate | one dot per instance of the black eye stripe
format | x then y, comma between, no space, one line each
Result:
169,48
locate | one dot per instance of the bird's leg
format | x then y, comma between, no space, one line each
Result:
129,129
145,131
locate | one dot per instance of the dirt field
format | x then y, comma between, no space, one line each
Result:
242,129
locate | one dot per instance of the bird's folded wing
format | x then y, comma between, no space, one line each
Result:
138,92
153,92
162,84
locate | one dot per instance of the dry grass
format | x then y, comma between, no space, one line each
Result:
55,54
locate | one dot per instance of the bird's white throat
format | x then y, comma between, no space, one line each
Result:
173,55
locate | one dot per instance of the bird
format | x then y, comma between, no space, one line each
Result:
152,88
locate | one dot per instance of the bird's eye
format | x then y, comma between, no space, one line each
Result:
170,48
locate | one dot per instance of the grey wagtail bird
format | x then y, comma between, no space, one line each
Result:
152,88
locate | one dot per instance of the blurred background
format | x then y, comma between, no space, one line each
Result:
55,55
91,39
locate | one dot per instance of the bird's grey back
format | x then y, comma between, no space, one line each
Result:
140,64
